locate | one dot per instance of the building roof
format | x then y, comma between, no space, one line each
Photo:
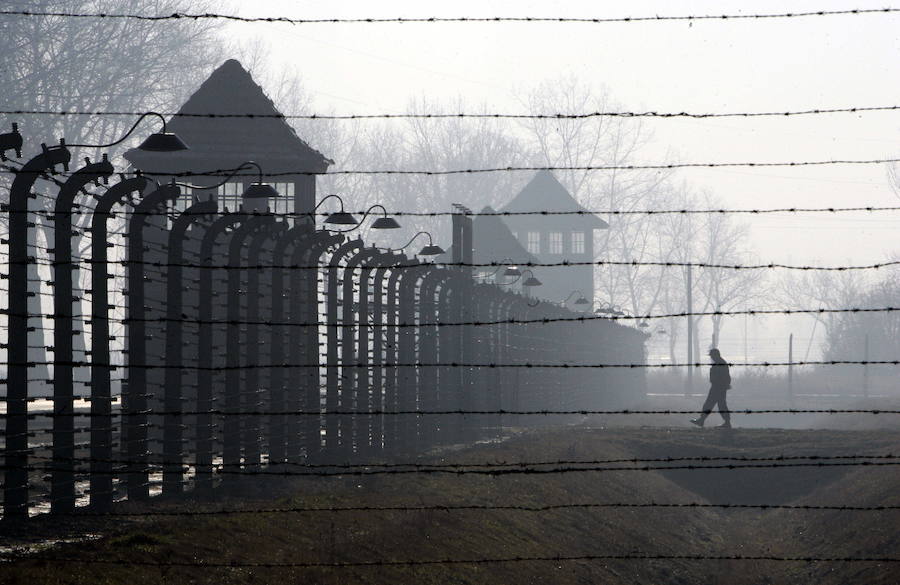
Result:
545,193
216,143
492,241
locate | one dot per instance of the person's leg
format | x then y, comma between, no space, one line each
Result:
711,400
723,408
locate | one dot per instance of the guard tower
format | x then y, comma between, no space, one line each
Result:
225,142
556,238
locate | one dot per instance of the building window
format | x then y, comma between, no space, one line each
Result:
555,243
578,242
534,242
284,203
230,195
186,199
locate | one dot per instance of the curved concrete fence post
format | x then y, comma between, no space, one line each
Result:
257,293
15,480
206,341
392,357
450,353
407,357
101,477
354,310
368,375
235,358
305,433
173,434
62,476
377,392
279,336
135,396
334,370
430,330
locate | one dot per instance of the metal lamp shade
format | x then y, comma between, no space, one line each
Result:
341,218
385,223
512,271
260,191
532,281
163,142
431,250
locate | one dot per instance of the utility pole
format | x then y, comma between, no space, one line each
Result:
791,369
745,335
865,384
690,334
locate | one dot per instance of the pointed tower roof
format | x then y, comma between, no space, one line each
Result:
545,193
223,142
492,241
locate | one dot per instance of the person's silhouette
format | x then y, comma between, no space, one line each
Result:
719,383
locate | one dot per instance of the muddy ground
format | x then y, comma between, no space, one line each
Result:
525,542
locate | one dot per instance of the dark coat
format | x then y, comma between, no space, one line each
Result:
719,376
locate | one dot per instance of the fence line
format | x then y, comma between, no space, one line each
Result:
389,307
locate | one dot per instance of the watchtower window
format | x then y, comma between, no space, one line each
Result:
555,243
534,242
578,242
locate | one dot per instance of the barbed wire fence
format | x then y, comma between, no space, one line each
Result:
307,349
383,356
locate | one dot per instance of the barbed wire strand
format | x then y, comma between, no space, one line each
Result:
84,210
466,412
490,472
473,323
472,171
485,365
444,20
324,264
489,465
464,115
471,561
480,507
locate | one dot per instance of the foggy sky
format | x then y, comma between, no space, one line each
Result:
755,65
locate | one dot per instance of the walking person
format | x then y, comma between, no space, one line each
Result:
719,383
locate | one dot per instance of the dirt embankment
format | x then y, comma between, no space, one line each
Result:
537,519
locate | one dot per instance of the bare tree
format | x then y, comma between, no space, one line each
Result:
66,64
893,173
428,144
678,235
722,242
58,64
850,333
600,141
